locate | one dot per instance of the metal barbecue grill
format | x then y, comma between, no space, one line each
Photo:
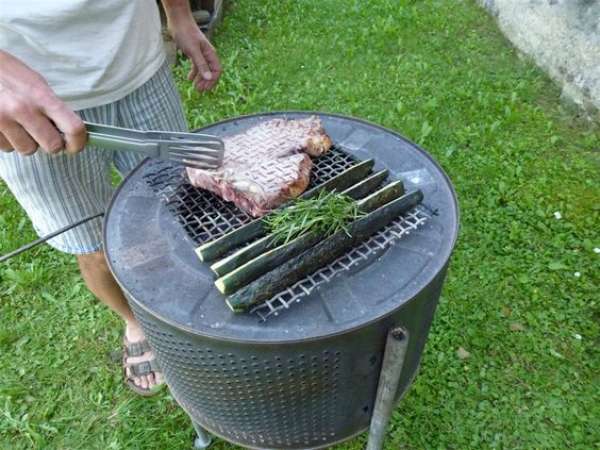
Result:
304,369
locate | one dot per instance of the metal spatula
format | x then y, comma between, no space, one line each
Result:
200,151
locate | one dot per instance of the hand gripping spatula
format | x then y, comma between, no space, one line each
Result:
195,150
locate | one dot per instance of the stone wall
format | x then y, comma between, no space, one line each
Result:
563,37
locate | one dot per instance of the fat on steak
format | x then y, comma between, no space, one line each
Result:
265,165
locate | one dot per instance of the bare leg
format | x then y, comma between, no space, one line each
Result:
100,281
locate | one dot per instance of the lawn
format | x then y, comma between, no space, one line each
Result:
521,300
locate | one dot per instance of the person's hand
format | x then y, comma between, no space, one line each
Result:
32,116
206,69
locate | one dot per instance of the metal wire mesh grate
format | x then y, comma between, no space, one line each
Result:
362,252
204,215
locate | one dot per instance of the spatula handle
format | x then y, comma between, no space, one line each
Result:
115,138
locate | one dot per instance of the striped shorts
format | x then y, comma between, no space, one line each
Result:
57,190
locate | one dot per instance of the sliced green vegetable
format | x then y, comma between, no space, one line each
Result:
319,255
367,185
261,264
242,256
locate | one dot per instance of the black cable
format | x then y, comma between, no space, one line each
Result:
47,237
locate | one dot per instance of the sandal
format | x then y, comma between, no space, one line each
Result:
134,349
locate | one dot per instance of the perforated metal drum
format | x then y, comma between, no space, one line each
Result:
303,372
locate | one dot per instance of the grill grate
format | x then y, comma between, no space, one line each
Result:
362,252
204,215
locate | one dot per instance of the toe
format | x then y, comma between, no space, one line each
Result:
130,376
151,380
148,381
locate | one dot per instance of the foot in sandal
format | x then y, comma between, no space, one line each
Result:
141,370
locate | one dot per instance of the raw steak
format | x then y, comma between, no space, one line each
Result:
265,165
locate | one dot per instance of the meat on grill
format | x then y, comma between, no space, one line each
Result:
265,165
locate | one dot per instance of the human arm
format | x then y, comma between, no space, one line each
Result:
31,115
206,68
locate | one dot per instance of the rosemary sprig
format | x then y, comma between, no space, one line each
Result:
324,214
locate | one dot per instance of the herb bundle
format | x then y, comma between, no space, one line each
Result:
324,214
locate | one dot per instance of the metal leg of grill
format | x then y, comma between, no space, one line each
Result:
203,439
391,368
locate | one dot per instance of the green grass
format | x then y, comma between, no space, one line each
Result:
441,74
